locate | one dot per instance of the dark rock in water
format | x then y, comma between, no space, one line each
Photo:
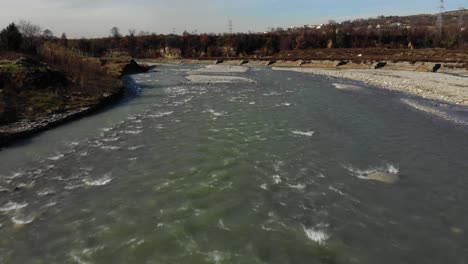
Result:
271,62
436,67
384,177
341,63
244,62
379,65
17,189
133,68
218,61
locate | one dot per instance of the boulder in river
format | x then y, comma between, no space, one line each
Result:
380,64
342,63
436,67
384,177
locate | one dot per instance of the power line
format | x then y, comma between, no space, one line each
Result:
440,19
230,25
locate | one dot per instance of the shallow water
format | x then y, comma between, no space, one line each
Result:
270,170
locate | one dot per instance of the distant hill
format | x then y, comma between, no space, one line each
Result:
451,18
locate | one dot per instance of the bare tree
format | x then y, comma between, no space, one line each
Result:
64,40
30,32
47,34
115,32
132,32
144,33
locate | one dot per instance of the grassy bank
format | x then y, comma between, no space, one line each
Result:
57,86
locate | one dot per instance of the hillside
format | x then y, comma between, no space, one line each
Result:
451,18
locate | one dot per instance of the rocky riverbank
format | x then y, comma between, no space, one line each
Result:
451,88
72,106
446,82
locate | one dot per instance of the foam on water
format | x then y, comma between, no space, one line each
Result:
347,87
110,147
13,176
161,114
211,79
12,206
21,219
277,179
303,133
436,111
222,226
57,157
216,257
73,144
104,180
214,113
177,90
111,139
45,192
300,186
73,187
331,188
78,259
184,101
135,147
221,69
132,132
317,234
271,94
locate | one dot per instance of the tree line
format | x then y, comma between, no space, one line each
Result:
190,45
27,37
24,37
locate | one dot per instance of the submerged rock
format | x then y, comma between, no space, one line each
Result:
457,231
385,177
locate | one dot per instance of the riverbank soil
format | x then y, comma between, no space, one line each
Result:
34,96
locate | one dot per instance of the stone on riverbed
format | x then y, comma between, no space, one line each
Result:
384,177
379,65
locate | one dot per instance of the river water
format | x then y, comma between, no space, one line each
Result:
225,164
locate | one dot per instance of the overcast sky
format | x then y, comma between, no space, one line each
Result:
94,18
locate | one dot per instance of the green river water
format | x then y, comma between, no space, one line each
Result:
267,169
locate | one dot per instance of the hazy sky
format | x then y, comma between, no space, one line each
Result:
93,18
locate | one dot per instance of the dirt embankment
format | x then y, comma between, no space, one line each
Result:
423,60
35,97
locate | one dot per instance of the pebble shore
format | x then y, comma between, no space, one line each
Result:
450,88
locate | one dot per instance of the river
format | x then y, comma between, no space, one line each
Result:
224,164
